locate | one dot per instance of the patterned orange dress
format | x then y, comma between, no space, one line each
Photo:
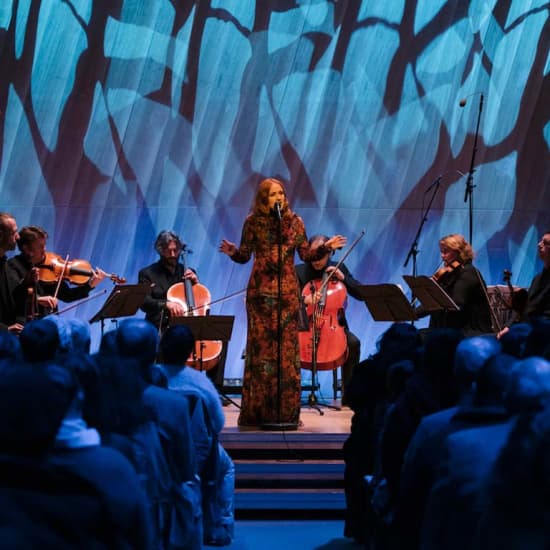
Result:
260,237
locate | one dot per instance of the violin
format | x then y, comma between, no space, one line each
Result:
78,272
446,270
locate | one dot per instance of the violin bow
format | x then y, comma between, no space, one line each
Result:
61,275
342,259
220,300
83,301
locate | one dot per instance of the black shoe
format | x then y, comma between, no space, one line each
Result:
225,401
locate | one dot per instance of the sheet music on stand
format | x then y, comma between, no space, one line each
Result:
430,294
387,302
124,301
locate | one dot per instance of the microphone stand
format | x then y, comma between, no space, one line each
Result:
469,191
413,250
279,425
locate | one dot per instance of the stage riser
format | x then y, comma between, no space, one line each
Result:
269,487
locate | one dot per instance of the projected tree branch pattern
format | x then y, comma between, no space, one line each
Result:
121,118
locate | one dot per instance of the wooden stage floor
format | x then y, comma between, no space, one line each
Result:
316,431
330,422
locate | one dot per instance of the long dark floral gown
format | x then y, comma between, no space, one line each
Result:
260,395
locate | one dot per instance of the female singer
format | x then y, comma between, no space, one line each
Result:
271,217
465,285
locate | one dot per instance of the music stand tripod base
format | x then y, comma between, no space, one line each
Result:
314,403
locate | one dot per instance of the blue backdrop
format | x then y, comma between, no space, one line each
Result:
119,118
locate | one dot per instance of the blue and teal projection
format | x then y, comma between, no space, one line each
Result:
120,118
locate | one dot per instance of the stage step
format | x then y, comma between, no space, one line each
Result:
267,487
290,474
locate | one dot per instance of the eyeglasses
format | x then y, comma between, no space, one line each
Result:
544,243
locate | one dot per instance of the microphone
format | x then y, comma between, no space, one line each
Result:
278,210
437,181
464,100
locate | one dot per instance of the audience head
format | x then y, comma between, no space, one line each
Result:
80,335
33,401
400,341
397,376
64,332
529,385
537,339
108,343
114,401
513,341
39,340
138,339
492,380
439,352
9,346
470,356
176,345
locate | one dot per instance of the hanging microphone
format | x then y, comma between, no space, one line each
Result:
278,210
463,101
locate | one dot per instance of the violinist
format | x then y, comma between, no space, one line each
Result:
162,275
25,273
313,270
538,296
463,283
9,236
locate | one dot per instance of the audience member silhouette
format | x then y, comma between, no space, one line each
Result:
513,503
513,341
118,412
431,389
39,341
10,349
138,339
425,451
80,335
215,466
537,339
367,395
452,513
81,495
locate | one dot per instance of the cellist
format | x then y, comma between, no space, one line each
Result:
314,270
162,275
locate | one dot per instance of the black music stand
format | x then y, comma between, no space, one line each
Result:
387,302
208,328
124,301
430,294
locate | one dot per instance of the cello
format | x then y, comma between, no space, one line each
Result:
195,300
324,345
